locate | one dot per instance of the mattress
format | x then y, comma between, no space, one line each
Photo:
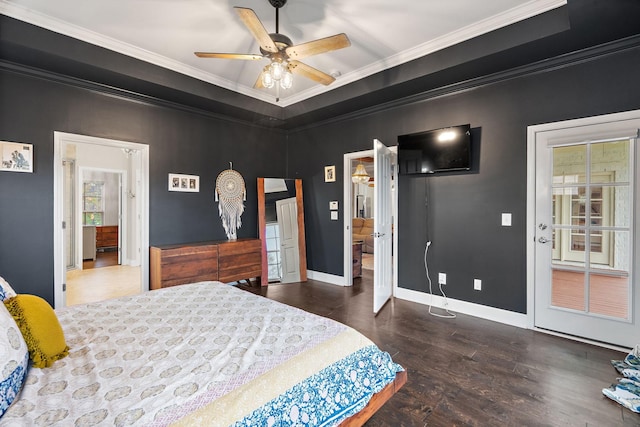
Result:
202,354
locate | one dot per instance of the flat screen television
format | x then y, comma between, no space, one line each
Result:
439,150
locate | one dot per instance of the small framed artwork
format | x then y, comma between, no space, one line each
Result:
184,183
330,173
16,157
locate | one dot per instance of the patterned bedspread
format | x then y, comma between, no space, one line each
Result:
202,354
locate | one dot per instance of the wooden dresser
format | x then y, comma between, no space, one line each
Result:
357,259
226,261
107,236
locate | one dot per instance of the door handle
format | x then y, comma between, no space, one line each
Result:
377,234
543,240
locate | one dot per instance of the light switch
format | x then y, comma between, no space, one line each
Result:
333,205
334,215
506,220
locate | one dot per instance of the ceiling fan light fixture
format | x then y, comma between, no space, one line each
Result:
277,73
277,70
287,80
267,78
360,175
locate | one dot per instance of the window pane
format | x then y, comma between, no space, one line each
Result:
569,164
610,161
609,295
618,201
92,204
570,201
567,289
93,188
610,251
93,218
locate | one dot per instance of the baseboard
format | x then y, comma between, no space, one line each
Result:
464,307
130,262
324,277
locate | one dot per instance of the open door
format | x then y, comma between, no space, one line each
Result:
384,161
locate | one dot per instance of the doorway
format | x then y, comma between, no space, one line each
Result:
358,203
130,162
355,207
582,205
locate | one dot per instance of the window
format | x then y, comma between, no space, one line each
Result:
92,202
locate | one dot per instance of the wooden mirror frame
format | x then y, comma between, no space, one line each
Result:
262,230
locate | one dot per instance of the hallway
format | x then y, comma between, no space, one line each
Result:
102,279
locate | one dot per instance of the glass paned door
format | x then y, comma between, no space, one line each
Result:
583,249
591,224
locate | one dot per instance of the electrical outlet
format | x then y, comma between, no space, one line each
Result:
442,278
477,284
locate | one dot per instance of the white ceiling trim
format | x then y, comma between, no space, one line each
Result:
531,9
528,10
83,34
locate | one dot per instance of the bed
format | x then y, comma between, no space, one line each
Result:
205,354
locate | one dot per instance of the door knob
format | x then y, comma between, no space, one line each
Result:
543,240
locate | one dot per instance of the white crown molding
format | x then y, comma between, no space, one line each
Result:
527,10
88,36
511,16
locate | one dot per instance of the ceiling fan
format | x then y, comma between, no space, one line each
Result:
282,53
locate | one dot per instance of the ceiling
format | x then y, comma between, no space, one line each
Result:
166,33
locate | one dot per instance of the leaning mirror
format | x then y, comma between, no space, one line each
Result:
281,230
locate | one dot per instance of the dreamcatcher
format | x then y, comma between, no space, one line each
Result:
230,193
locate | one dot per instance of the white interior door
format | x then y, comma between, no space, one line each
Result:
287,213
384,161
121,217
69,174
584,237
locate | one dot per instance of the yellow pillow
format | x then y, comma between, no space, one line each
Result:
40,328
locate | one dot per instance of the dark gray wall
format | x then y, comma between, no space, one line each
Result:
570,73
461,212
31,109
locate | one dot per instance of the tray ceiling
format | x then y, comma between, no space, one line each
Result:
383,34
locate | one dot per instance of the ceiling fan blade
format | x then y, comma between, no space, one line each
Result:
315,47
259,84
256,28
227,55
309,72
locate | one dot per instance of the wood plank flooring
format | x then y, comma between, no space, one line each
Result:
102,279
468,371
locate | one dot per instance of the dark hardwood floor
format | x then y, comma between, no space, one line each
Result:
468,371
103,259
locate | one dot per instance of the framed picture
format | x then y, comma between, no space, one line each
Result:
184,183
330,173
16,157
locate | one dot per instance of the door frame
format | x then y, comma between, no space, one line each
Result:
626,125
347,213
141,177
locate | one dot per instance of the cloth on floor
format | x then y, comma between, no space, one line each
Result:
627,391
